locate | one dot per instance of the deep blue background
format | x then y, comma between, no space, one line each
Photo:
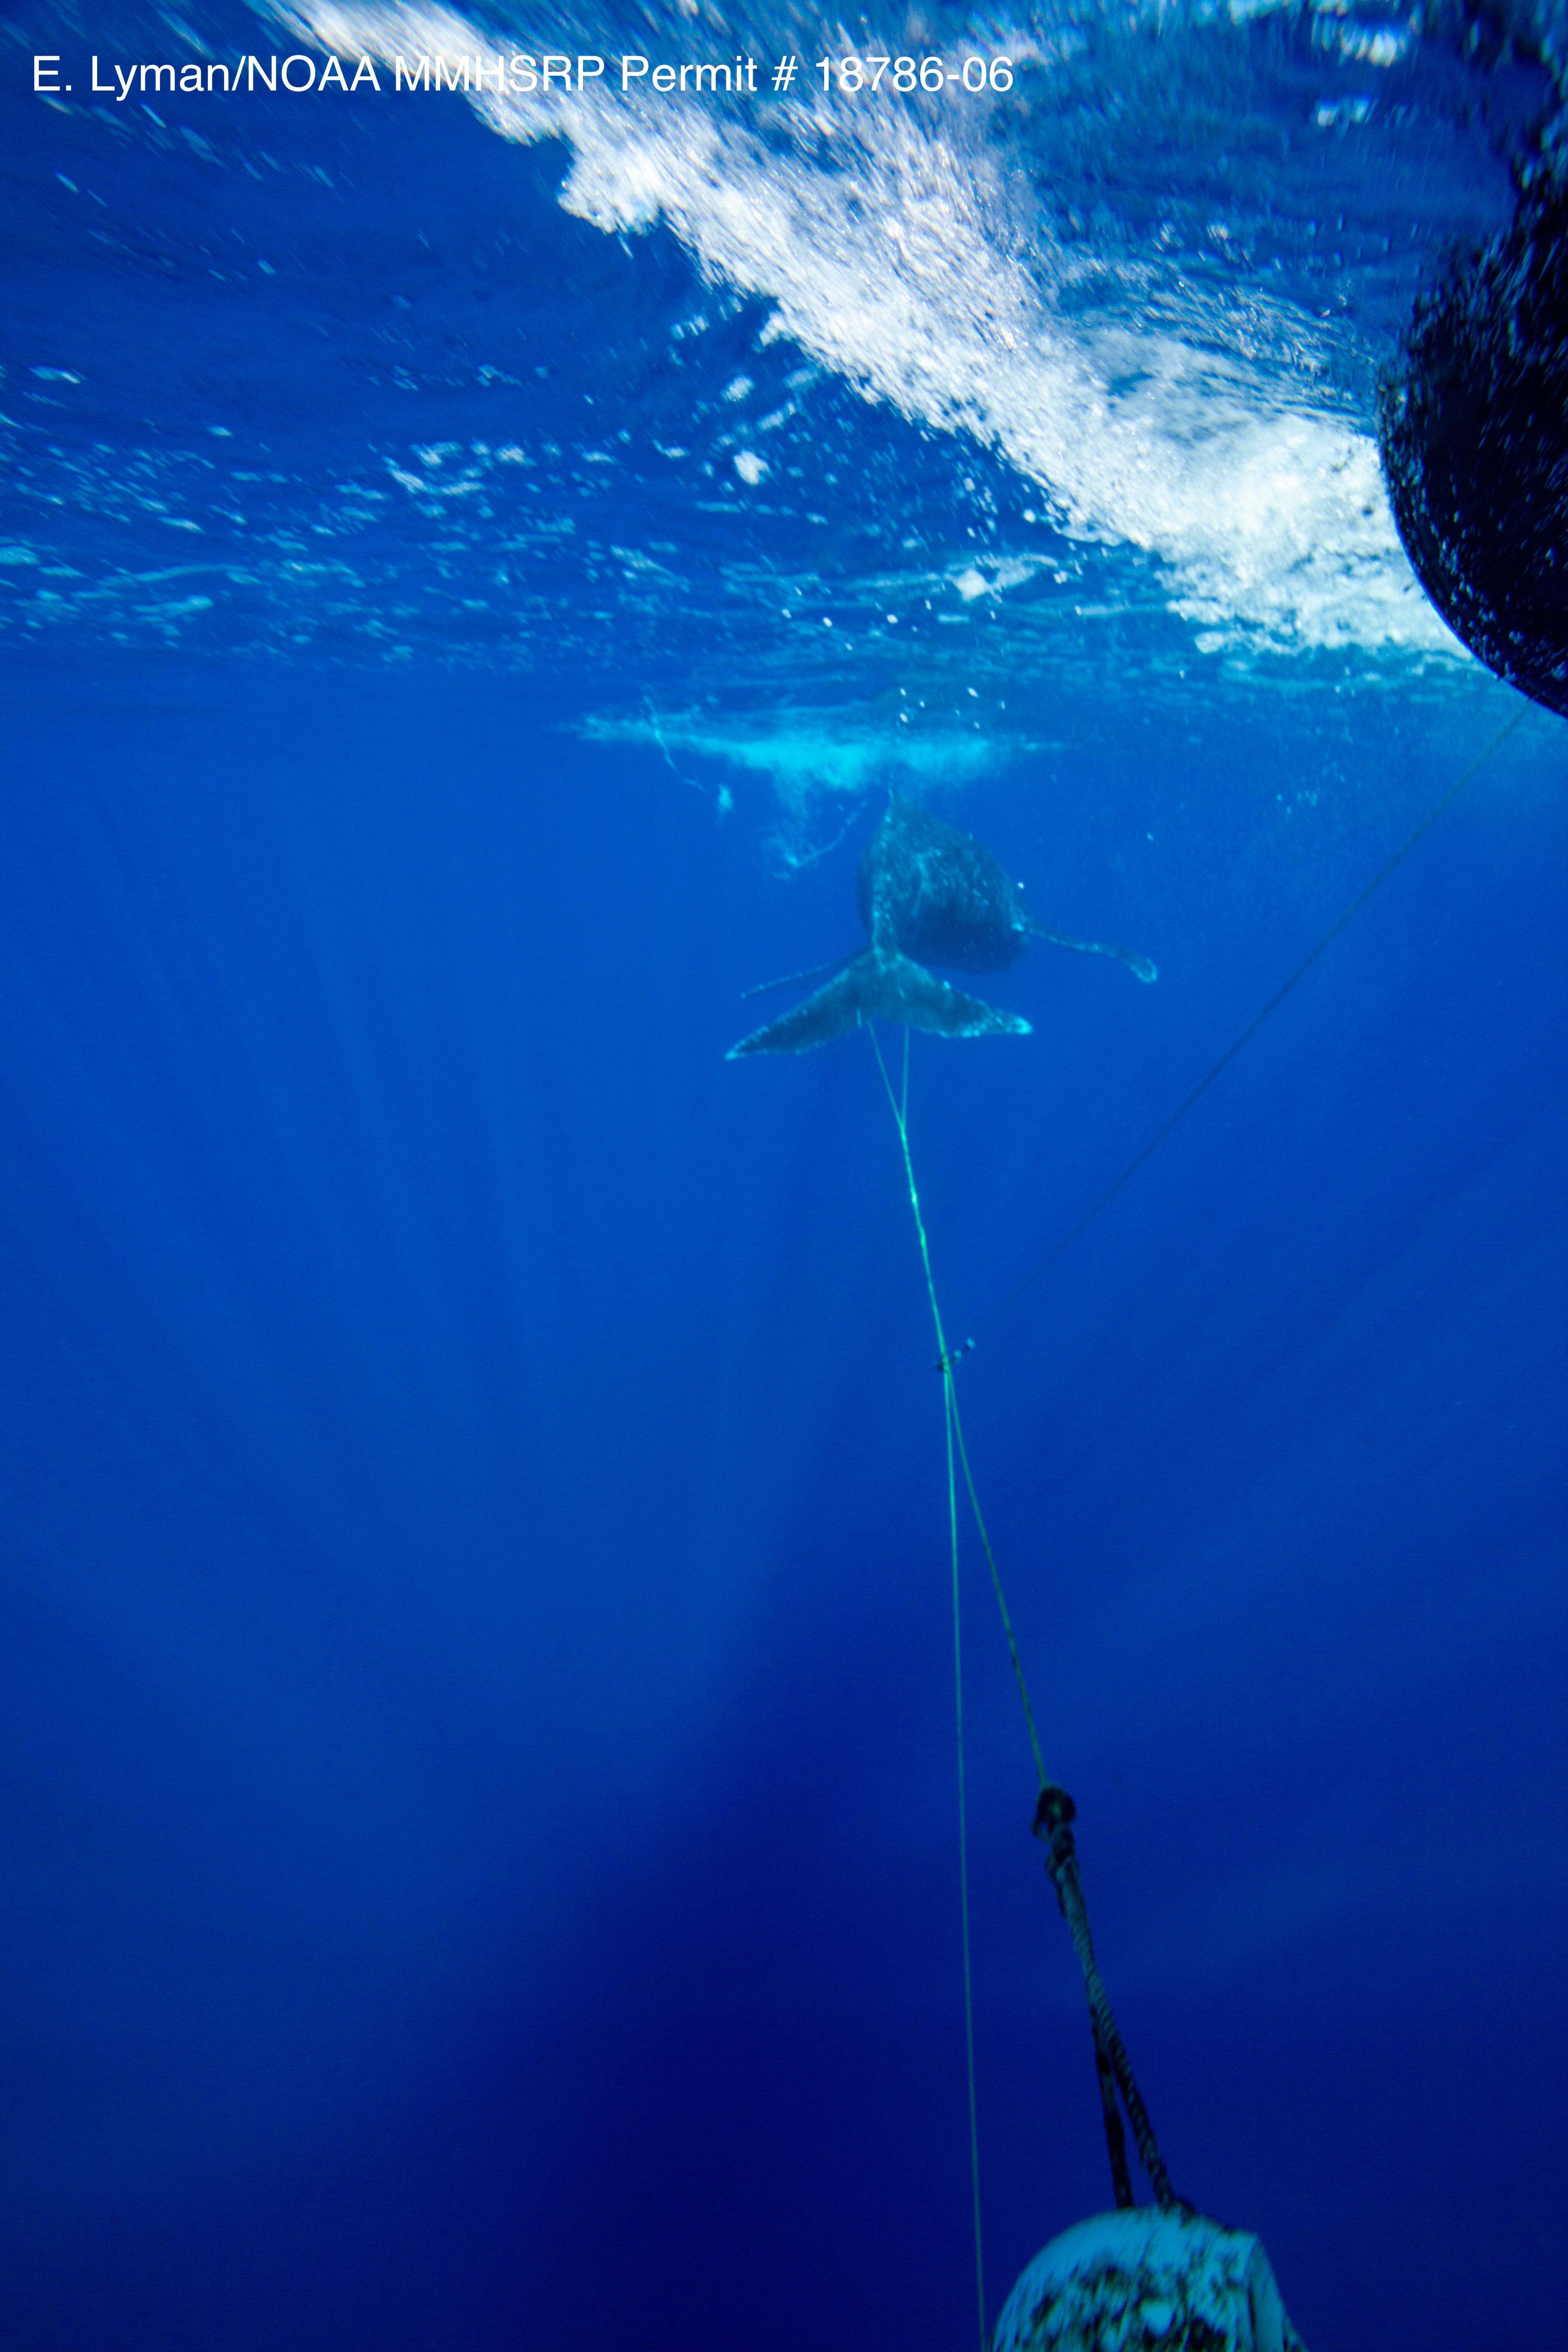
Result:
481,1850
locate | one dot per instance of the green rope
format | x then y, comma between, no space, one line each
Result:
997,1585
945,1360
949,1404
964,1885
1055,1808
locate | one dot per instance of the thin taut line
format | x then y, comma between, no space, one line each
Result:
949,1404
1255,1023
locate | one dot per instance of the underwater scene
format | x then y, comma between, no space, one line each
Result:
783,826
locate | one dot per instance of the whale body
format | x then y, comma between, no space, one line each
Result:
927,894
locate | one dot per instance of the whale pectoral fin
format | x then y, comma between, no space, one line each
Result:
880,988
906,991
1138,965
797,978
830,1014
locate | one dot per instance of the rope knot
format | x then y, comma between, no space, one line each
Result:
1054,1817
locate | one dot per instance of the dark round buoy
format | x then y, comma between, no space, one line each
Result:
1473,422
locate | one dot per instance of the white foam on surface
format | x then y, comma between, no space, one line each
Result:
909,269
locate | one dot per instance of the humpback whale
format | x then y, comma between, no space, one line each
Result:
927,894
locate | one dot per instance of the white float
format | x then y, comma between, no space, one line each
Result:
1144,2281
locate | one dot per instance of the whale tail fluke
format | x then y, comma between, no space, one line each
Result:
880,987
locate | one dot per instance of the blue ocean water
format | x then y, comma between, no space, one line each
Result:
480,1835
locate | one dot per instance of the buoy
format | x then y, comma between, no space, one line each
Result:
1473,422
1144,2281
